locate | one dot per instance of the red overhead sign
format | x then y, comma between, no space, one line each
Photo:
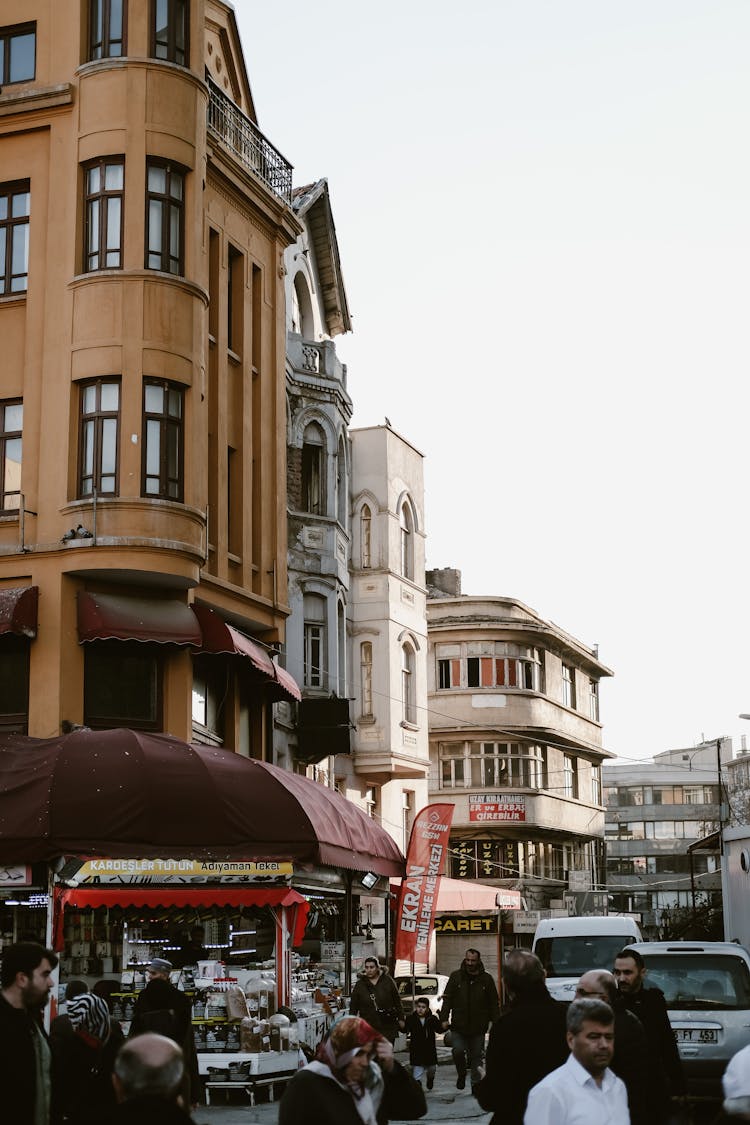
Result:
417,900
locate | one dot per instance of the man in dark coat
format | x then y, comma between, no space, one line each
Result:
25,985
148,1077
649,1005
164,1010
470,1005
527,1042
632,1061
375,998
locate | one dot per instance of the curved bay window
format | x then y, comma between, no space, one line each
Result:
163,439
498,664
495,765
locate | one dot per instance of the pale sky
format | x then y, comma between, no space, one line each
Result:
543,213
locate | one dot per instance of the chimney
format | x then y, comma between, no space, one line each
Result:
445,582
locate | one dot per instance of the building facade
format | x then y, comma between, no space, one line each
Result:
516,745
143,222
657,813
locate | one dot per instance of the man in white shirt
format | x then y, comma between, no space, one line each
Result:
583,1091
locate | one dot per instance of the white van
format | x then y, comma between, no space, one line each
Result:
569,947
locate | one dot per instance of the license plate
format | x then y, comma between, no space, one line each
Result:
696,1035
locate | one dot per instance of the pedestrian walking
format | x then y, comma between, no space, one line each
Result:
583,1091
422,1027
84,1044
148,1076
649,1005
375,999
470,1005
527,1041
162,1009
353,1080
25,985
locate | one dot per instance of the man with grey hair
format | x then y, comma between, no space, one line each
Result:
148,1077
583,1091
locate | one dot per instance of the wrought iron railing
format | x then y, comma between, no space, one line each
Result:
247,143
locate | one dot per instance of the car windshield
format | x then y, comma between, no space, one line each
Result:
573,956
423,986
696,981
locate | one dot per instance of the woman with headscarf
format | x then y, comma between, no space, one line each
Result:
84,1043
353,1080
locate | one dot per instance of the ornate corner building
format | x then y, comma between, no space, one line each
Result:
143,223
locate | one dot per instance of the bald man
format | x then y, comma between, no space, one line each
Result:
148,1079
631,1061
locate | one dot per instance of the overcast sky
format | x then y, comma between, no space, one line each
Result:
543,213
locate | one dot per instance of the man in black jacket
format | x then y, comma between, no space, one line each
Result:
470,1005
162,1009
25,984
527,1042
649,1005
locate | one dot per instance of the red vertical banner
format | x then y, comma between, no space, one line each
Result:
417,900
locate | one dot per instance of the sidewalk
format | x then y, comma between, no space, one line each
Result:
444,1103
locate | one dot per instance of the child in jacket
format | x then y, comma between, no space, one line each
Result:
421,1027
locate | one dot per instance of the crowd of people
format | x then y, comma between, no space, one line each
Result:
607,1058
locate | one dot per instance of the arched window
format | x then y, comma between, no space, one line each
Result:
365,537
407,541
342,651
313,470
408,689
365,678
315,671
302,314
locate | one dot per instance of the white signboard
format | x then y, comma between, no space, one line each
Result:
526,921
579,880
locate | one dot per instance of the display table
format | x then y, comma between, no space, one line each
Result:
266,1069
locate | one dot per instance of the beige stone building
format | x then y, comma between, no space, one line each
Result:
143,220
515,744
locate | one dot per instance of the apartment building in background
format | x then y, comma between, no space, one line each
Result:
516,745
662,829
143,223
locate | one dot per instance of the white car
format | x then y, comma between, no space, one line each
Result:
431,985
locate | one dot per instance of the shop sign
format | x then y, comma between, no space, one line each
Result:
526,921
15,876
331,950
508,900
497,806
145,871
465,924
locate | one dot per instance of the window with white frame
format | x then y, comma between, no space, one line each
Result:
594,700
407,818
488,664
406,521
569,686
408,697
365,678
341,489
313,470
372,800
596,785
365,537
314,672
495,765
570,776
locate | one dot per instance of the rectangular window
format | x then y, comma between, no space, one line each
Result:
235,299
11,428
210,682
163,469
17,54
366,679
14,684
165,217
15,208
570,776
596,785
170,21
106,29
569,686
122,685
594,700
312,478
314,636
98,445
105,183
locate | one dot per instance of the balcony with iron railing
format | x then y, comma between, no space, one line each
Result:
247,144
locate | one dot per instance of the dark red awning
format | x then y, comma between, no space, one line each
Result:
106,617
18,610
220,637
92,897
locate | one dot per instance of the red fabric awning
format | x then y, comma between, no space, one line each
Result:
92,897
220,637
18,610
105,617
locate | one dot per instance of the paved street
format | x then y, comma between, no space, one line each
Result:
444,1103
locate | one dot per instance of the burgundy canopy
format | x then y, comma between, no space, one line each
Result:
128,794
